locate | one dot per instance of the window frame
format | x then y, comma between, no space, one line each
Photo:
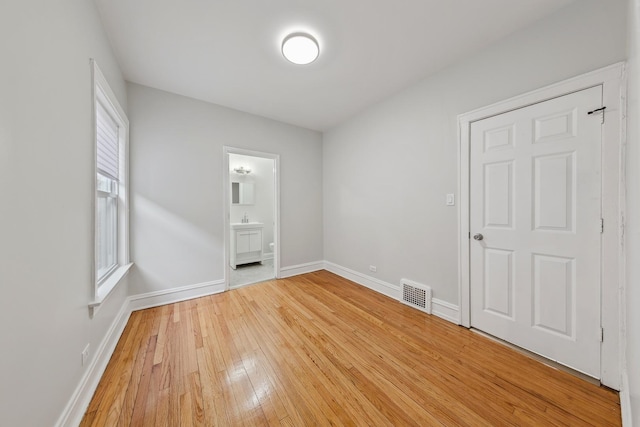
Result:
112,194
102,93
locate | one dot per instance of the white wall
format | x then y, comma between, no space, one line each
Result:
263,209
46,176
633,213
177,171
387,170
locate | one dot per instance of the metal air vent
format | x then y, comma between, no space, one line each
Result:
416,295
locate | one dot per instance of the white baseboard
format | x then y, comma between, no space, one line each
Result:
377,285
440,308
296,270
625,409
445,310
625,400
170,296
75,409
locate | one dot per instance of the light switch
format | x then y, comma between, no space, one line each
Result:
451,199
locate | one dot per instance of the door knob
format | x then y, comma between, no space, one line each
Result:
478,236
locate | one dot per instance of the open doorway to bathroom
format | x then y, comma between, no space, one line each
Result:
252,221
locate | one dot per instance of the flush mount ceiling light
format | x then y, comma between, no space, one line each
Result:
300,48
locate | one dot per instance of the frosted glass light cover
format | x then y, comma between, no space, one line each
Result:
300,48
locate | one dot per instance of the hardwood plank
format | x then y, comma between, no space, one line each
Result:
162,334
162,409
152,401
113,368
195,323
214,406
189,336
88,418
141,391
317,349
144,356
109,400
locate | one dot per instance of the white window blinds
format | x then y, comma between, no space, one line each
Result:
107,143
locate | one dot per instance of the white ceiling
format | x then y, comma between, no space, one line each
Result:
228,51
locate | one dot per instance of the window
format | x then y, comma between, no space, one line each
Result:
107,182
111,195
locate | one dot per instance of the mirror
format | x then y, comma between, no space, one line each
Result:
242,193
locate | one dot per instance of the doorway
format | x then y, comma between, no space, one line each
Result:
251,195
540,221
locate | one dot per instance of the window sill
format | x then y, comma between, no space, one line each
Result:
108,286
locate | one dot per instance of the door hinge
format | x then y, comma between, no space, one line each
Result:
602,225
469,235
601,334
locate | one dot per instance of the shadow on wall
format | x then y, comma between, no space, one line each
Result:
196,254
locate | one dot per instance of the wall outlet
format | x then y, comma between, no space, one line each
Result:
85,355
451,199
373,268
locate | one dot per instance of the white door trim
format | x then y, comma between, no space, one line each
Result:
612,79
226,198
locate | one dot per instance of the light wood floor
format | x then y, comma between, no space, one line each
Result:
319,350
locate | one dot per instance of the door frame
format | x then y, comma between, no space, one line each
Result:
613,82
226,199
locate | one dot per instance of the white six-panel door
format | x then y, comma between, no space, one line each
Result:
535,203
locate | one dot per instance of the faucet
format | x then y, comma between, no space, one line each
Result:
245,219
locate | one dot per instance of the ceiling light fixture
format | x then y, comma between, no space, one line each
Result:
300,48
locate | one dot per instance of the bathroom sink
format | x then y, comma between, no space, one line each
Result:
240,225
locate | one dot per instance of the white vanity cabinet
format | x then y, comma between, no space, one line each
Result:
246,243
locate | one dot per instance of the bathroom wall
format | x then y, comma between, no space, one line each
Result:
264,187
